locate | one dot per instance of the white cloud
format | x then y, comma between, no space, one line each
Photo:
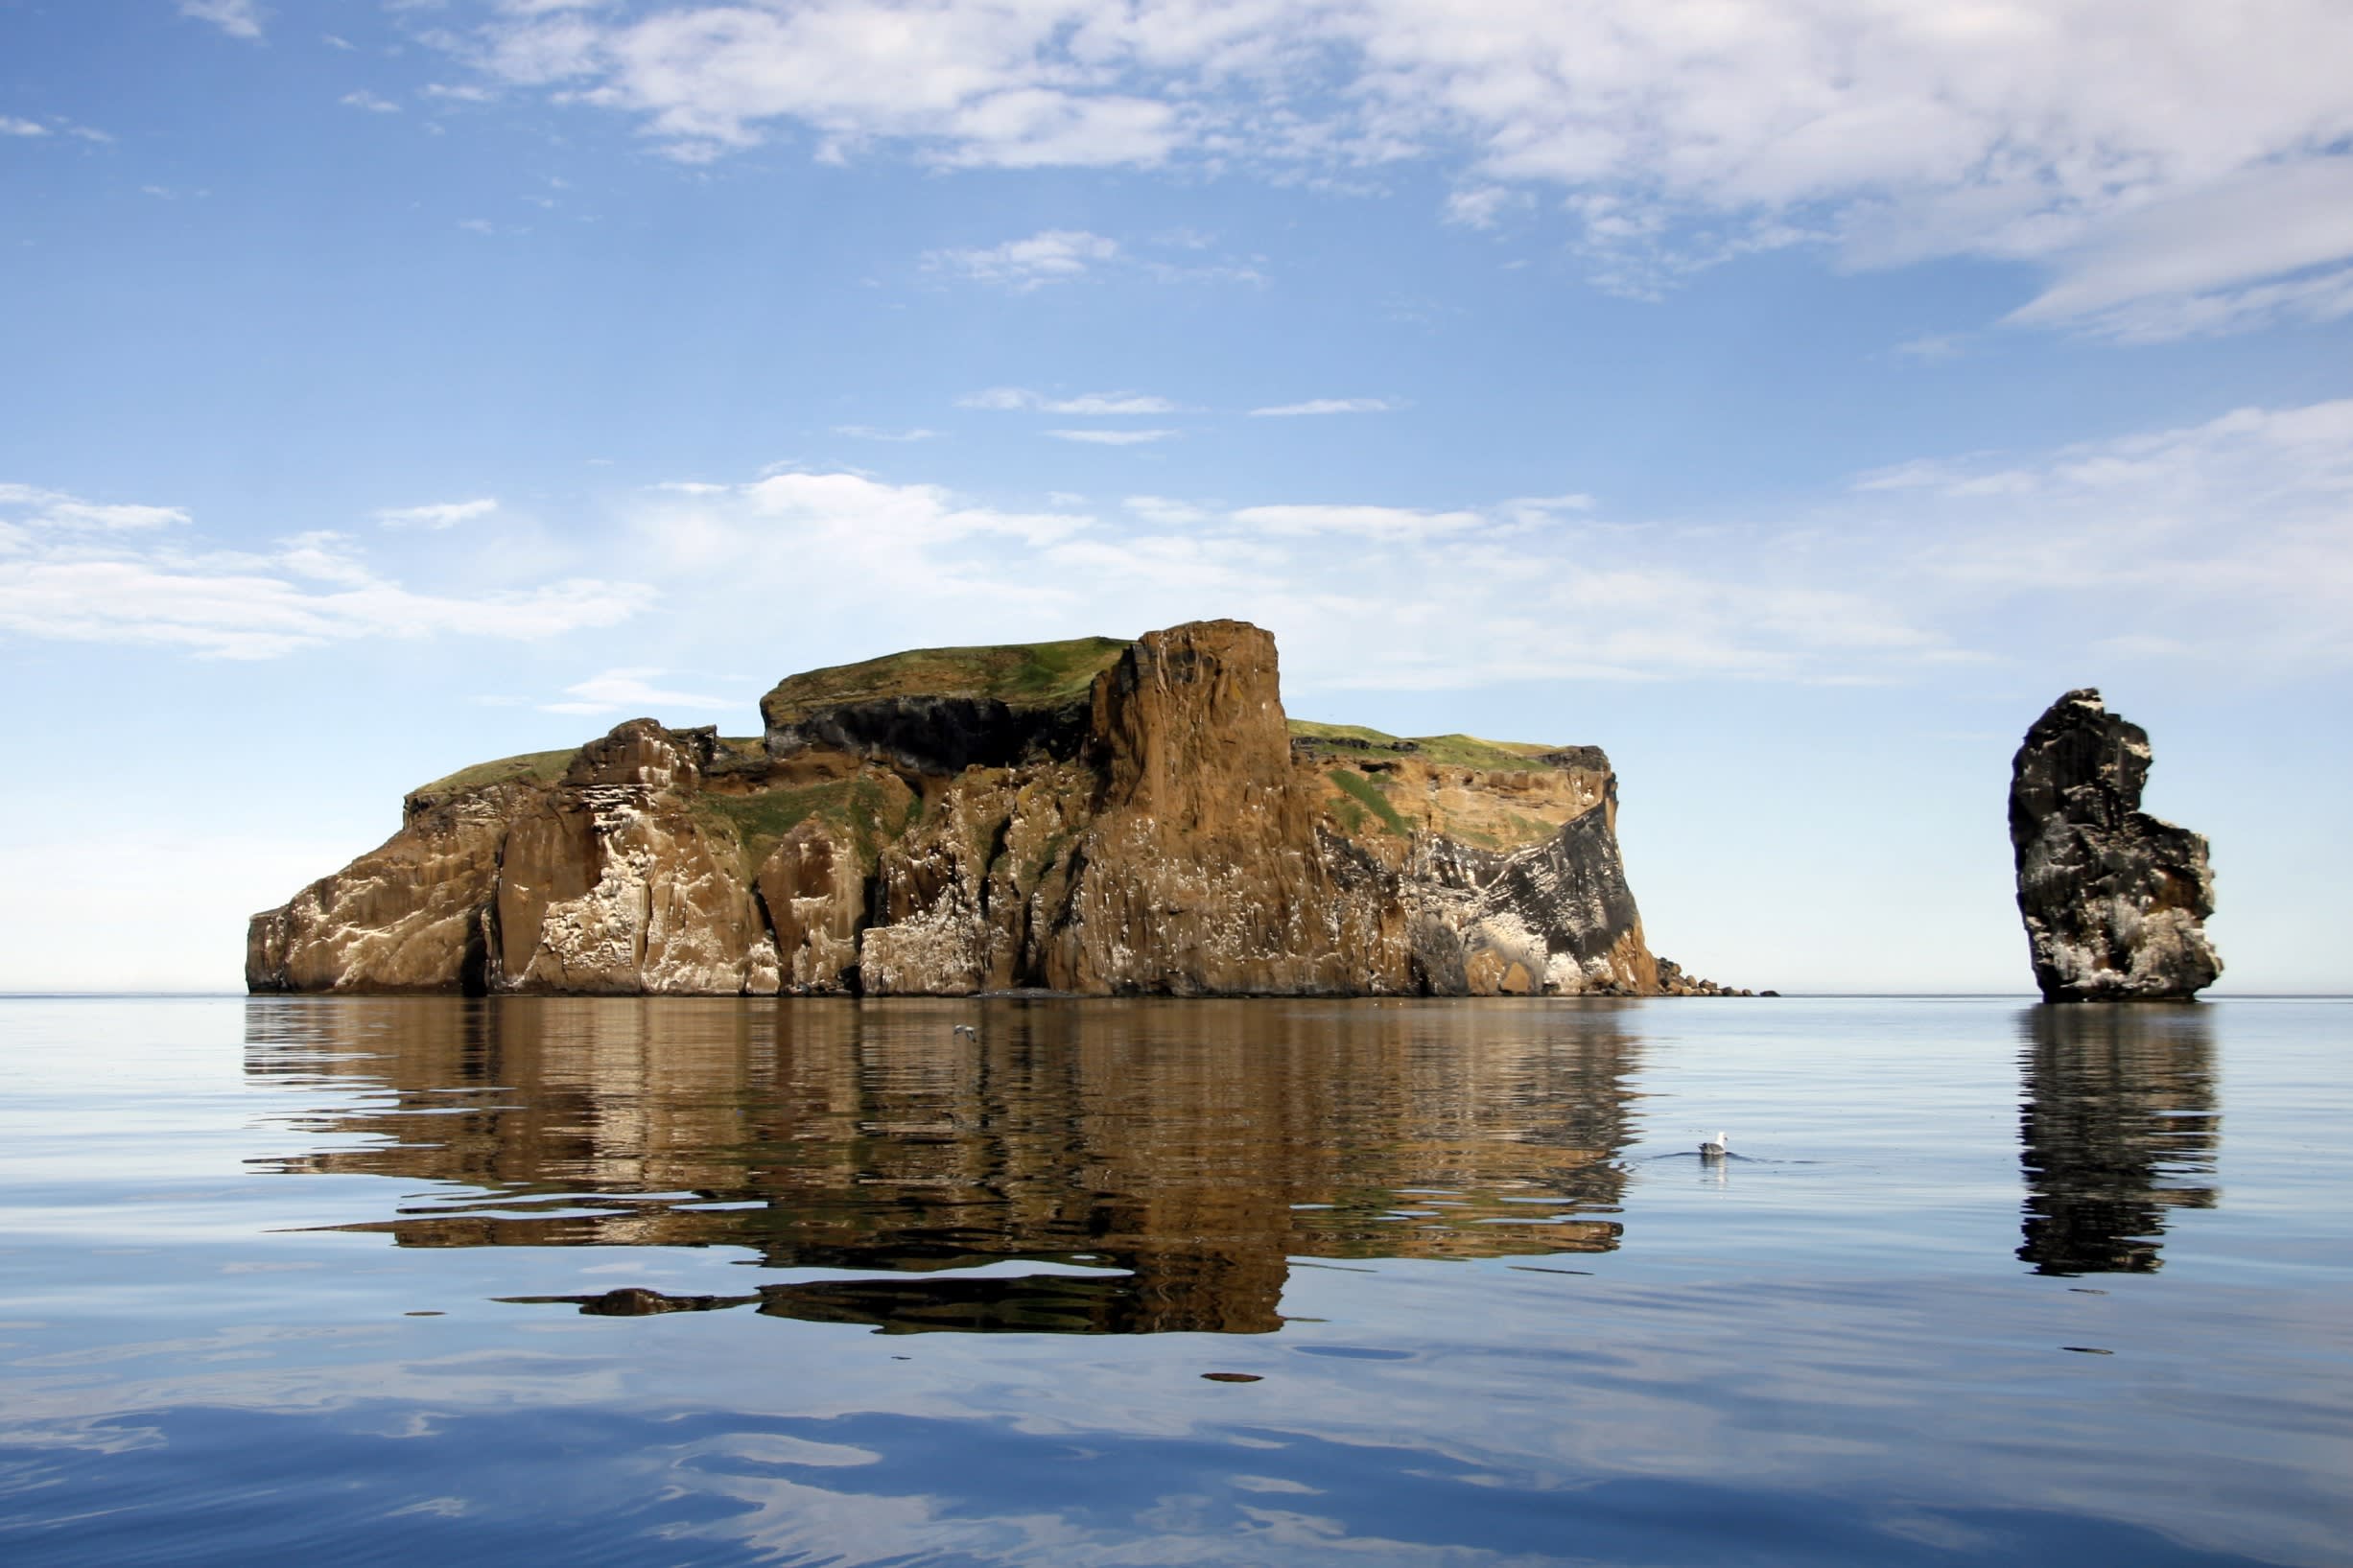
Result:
1006,399
1483,207
447,514
867,433
897,557
1165,511
617,689
1054,255
365,99
1413,598
2324,297
1325,405
2240,527
1932,348
2033,129
2181,265
2234,536
22,127
1370,521
238,18
1111,437
82,571
54,509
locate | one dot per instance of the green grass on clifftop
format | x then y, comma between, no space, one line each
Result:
532,767
1017,674
1446,750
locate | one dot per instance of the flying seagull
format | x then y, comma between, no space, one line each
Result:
967,1031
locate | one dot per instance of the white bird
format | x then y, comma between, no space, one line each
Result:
968,1031
1717,1147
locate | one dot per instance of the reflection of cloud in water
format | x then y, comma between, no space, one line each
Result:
1174,1142
2120,1125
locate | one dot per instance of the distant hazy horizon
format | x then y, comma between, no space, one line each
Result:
1791,403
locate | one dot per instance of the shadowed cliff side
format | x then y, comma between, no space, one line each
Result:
1096,817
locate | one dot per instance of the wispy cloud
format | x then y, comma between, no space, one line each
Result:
56,511
112,572
2260,245
1483,207
1166,512
2067,137
2070,557
1113,438
617,689
1932,348
238,18
1005,399
868,433
10,125
1057,255
1327,405
1366,522
1369,594
2241,526
446,514
369,101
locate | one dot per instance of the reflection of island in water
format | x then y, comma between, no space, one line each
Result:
1158,1152
2120,1124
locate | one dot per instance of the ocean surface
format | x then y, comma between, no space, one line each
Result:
1141,1282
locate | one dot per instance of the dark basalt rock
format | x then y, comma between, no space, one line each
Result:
2114,900
939,735
1572,891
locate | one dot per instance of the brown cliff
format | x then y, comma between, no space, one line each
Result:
1093,817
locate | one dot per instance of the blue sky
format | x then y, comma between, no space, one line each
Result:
1791,400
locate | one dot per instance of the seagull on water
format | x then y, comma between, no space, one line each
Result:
1717,1147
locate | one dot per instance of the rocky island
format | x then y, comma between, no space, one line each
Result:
2115,901
1093,817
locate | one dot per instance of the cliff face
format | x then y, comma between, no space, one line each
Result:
2114,900
1096,817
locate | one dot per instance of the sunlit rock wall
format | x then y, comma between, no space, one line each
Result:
1095,817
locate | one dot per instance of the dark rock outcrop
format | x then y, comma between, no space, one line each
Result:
2114,900
1093,817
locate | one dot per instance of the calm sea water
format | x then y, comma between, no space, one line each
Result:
652,1282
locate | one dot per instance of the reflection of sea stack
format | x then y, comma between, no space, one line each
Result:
2114,900
1180,1155
2119,1127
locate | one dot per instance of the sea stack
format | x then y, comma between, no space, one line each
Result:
1096,817
2114,900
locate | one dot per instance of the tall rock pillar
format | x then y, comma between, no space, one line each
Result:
2114,900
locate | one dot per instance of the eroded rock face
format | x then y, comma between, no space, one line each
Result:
2114,900
406,917
1093,817
609,884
